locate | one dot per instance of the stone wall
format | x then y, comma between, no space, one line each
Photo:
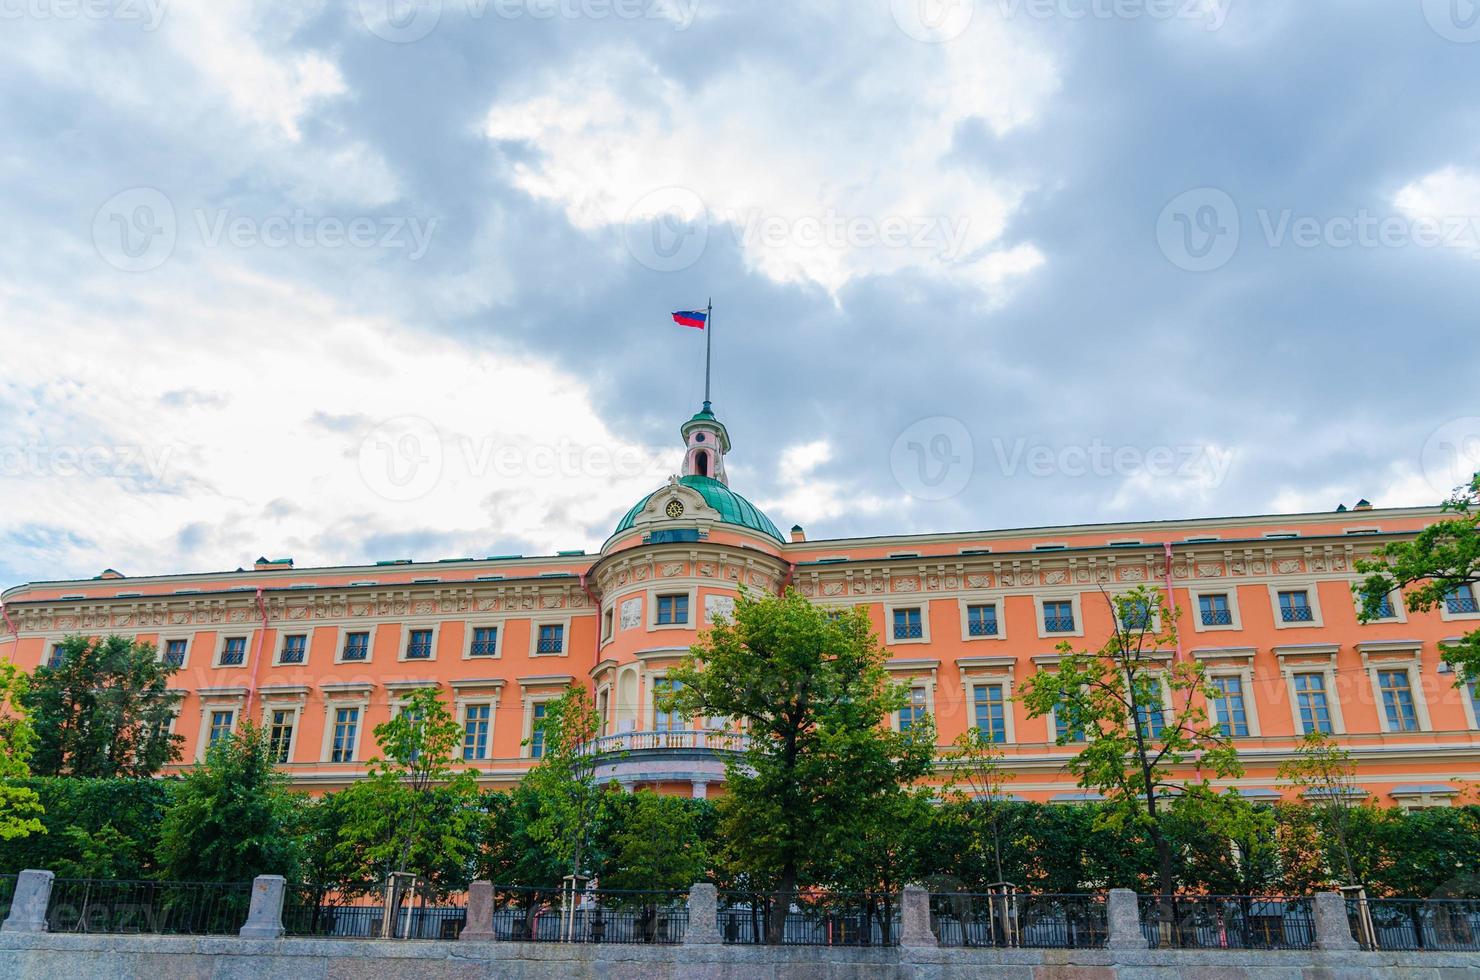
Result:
50,956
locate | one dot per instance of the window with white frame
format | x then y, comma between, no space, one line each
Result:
1136,614
233,652
174,652
537,716
989,711
915,710
356,647
550,639
419,644
1295,606
280,725
57,655
666,721
1460,601
1058,616
1214,609
1150,705
1230,711
1385,607
907,623
1473,689
1398,707
1068,726
672,609
484,642
981,619
1311,700
295,649
477,719
220,725
344,734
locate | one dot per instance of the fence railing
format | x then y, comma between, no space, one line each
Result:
595,916
164,907
7,891
1417,923
1228,922
309,911
810,919
713,741
1018,919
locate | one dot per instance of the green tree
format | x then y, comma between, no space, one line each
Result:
1136,740
1229,846
810,687
414,811
567,797
116,820
231,817
978,782
104,710
657,845
20,807
1327,775
1441,558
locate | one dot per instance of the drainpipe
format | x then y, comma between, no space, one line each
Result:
791,570
596,647
256,657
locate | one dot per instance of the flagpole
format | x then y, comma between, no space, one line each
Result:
708,346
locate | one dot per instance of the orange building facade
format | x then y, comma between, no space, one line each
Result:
320,656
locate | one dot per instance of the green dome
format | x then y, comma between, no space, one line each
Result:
733,508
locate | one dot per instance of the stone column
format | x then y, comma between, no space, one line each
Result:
703,927
479,927
914,918
28,907
1123,915
1333,927
265,916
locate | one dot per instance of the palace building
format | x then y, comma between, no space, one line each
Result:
320,656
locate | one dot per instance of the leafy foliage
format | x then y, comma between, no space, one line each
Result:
567,800
1441,558
1327,775
657,845
103,712
102,828
20,807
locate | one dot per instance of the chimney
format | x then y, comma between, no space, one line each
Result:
797,534
272,564
109,573
1363,504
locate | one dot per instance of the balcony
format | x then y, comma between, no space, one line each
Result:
703,741
1296,614
1058,624
636,758
982,627
1461,604
1217,617
908,631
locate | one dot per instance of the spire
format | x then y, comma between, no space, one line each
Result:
706,442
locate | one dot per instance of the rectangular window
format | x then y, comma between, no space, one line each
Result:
1385,607
1150,715
419,645
485,642
1475,700
1461,600
475,731
1066,723
981,620
1058,617
1136,614
356,646
1215,610
234,654
673,610
1295,606
606,624
913,712
1310,696
280,735
537,731
346,722
1228,706
666,721
552,639
907,624
174,653
990,711
1397,700
57,654
220,726
295,649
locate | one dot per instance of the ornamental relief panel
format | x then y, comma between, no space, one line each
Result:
717,607
672,568
906,583
631,614
832,588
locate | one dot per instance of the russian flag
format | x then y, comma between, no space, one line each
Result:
691,318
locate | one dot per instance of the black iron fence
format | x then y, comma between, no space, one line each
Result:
1018,919
1447,924
1228,922
594,915
7,892
192,908
810,919
310,911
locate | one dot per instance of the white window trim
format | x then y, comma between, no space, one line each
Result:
651,691
221,637
271,705
332,705
608,623
1412,666
604,718
209,704
1245,674
470,633
534,635
691,592
1230,590
407,629
1312,595
1327,668
927,683
526,750
1395,599
1472,712
343,638
1125,593
282,644
965,605
164,642
1408,802
921,604
1450,617
1072,597
461,706
969,683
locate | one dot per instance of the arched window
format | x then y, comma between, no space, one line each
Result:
701,463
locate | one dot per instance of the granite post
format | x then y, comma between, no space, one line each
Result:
479,927
1333,927
28,907
1123,915
265,914
703,927
914,919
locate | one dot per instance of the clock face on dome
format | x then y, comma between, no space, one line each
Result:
674,509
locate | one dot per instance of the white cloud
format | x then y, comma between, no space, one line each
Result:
1449,200
812,194
807,497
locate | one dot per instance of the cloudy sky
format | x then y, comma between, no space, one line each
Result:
372,279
